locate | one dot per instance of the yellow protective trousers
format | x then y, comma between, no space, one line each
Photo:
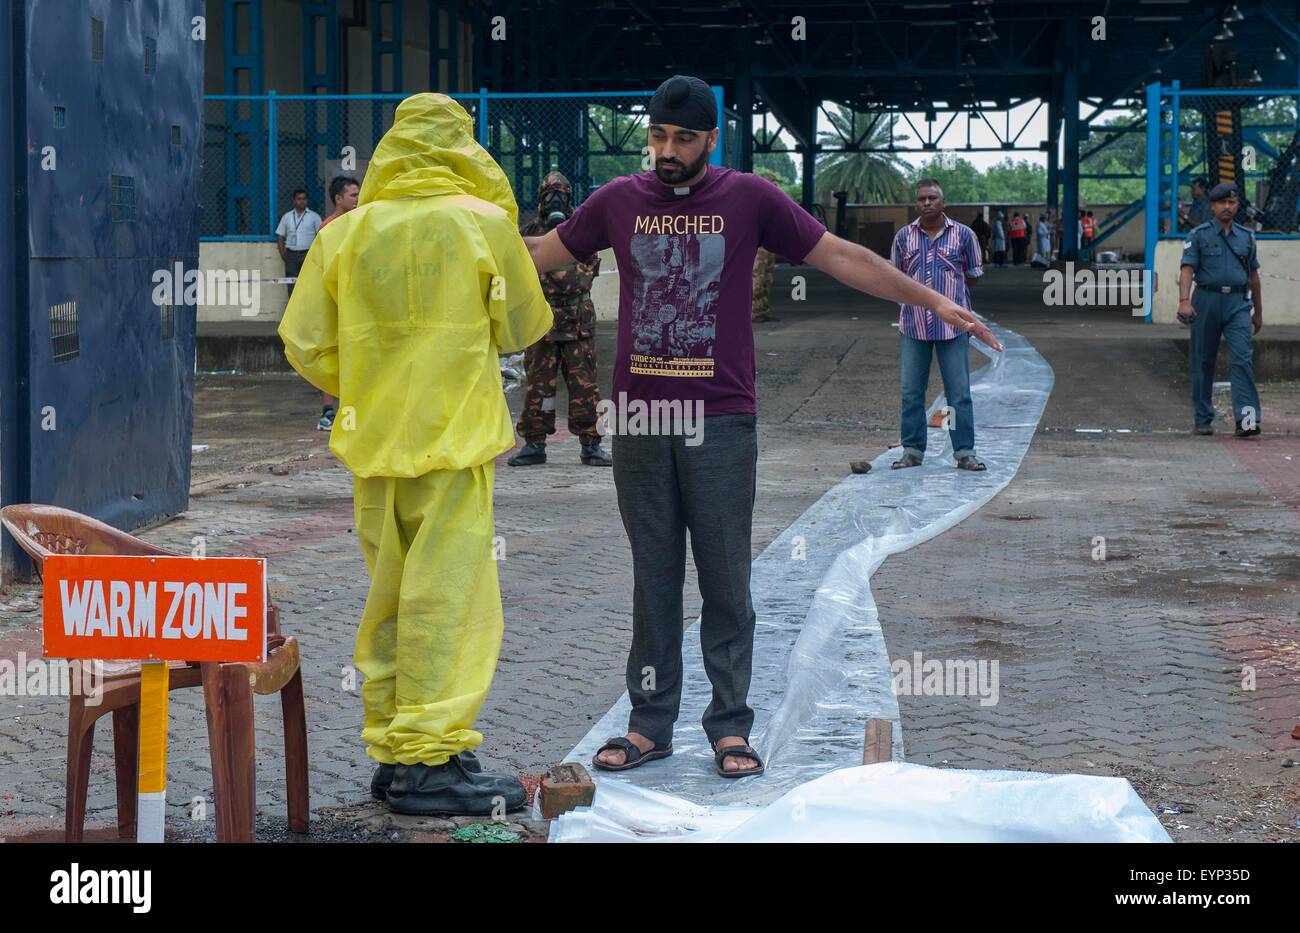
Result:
431,630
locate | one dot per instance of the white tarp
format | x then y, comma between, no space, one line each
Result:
821,667
889,802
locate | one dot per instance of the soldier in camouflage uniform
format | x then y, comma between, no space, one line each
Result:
764,264
569,346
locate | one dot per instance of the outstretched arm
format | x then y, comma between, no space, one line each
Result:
548,252
860,268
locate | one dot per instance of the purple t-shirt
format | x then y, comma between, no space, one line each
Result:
685,264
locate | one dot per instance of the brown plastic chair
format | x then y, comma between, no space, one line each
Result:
228,689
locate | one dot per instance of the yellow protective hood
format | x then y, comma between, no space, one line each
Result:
403,304
431,150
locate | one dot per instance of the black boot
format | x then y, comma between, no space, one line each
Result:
384,774
529,455
594,455
379,783
1243,431
451,790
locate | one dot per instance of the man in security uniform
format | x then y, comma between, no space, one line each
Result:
400,311
569,346
1221,256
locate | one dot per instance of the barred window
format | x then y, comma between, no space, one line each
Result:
121,190
65,331
96,39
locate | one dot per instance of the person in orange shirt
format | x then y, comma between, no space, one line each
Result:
1089,229
1019,235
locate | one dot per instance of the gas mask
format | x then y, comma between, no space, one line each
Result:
556,201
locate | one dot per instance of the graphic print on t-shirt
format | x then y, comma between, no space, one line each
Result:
677,282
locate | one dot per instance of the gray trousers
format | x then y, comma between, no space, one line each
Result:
666,488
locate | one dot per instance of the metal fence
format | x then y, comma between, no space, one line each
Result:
1245,136
257,149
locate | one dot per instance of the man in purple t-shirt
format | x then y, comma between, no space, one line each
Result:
684,237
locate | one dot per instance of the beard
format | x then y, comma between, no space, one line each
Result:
674,173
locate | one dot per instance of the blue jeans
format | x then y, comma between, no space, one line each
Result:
1226,316
914,364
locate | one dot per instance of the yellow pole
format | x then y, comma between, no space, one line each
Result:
152,786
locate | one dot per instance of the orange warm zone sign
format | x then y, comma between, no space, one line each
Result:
155,608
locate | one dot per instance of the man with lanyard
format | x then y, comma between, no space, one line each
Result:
943,254
684,236
1222,258
293,236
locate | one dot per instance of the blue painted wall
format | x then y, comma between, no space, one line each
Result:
120,450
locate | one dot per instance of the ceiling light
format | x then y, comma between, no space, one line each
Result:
1232,14
1255,77
968,60
1224,34
1166,44
1278,55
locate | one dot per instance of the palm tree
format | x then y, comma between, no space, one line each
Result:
869,177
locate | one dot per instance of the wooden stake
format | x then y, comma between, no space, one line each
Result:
879,745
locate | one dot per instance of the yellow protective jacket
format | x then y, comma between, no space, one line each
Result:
404,303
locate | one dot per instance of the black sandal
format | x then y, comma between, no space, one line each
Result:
633,757
970,463
907,460
740,751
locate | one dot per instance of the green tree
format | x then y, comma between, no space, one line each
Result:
1125,154
1006,182
875,177
778,165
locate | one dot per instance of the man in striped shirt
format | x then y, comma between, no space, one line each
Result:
945,255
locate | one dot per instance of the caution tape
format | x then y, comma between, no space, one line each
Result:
282,280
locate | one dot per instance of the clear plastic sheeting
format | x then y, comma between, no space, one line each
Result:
821,667
512,371
889,802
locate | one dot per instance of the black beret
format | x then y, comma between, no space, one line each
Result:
1225,190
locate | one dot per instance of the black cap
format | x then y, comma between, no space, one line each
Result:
1225,190
686,102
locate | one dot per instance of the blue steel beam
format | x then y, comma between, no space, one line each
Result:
1070,115
249,128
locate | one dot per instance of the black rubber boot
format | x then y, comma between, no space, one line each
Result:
379,783
384,774
1246,432
529,455
594,455
451,790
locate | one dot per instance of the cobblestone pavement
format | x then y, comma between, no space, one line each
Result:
1131,665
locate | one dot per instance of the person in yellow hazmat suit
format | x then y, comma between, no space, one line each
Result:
401,309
